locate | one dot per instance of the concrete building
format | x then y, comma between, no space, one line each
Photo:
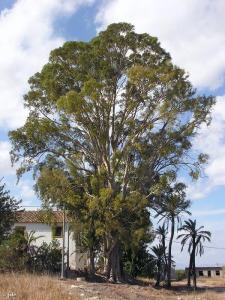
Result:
208,271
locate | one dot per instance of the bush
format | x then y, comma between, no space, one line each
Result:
17,255
47,258
180,274
13,256
140,264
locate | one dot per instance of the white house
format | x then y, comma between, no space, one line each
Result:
50,226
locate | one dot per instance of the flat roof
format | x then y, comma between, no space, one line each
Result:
206,268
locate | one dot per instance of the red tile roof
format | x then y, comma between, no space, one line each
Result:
39,217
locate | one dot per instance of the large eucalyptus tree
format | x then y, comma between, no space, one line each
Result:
113,113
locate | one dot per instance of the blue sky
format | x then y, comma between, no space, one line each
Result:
191,30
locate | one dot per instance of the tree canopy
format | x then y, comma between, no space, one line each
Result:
8,205
105,118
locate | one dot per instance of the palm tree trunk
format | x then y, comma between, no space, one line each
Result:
165,258
158,273
190,270
194,269
170,254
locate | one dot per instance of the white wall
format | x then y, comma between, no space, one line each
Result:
77,260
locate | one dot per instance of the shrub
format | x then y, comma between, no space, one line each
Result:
47,258
180,274
17,255
13,256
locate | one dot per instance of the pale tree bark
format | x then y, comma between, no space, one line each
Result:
112,260
115,274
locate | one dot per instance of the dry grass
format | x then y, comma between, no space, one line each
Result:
201,296
208,289
33,287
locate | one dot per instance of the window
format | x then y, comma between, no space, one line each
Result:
201,273
57,232
217,273
209,273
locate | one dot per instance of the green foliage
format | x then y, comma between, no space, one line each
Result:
47,258
139,263
8,205
13,256
194,236
180,274
19,253
170,203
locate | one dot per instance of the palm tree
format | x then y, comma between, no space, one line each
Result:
161,231
158,260
194,236
30,238
170,205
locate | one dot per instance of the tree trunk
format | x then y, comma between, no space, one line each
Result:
115,265
170,254
114,273
158,278
165,259
92,263
190,270
105,255
194,271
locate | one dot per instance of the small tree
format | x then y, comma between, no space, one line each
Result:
195,237
169,205
8,205
138,263
180,274
13,255
19,253
47,258
158,258
162,231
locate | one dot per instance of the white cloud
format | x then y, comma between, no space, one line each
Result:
198,190
27,34
209,212
5,163
212,142
27,37
26,191
191,30
23,190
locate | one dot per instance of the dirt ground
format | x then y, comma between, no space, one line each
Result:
211,289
